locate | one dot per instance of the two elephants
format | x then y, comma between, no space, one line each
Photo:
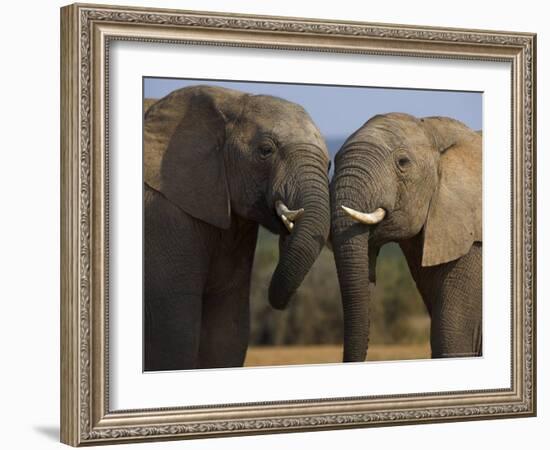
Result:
218,163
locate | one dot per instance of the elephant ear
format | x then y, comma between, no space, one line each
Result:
184,136
454,220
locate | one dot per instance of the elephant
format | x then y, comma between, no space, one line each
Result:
218,163
416,182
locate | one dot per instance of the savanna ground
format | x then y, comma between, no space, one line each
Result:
310,330
324,354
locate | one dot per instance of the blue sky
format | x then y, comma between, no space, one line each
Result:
338,110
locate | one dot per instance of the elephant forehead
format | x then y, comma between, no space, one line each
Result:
280,118
391,131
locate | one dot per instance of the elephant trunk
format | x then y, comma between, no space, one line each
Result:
300,249
357,188
350,247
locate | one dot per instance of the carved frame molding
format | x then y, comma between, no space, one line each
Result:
86,32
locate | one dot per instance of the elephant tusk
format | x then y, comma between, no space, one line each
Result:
288,224
286,215
367,218
290,214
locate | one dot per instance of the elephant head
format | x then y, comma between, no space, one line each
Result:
218,154
399,178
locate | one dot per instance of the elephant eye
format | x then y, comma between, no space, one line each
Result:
403,161
266,150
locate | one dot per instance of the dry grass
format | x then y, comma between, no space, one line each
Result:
317,354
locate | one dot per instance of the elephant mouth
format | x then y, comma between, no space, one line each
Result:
287,216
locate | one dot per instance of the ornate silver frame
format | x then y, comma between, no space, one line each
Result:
86,31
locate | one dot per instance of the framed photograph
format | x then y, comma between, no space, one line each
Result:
275,224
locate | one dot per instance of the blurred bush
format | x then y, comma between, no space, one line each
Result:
314,315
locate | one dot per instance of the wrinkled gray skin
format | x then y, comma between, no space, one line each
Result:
216,161
426,175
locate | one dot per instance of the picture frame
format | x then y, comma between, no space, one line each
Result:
87,35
